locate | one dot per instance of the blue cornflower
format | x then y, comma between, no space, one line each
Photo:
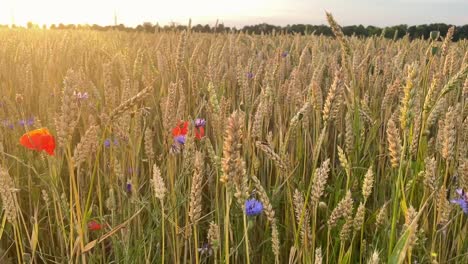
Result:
180,139
253,207
128,186
107,143
28,122
462,201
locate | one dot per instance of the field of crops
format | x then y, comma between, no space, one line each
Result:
184,147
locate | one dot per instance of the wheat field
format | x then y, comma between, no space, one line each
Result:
183,147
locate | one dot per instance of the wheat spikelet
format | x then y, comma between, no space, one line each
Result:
359,217
138,65
7,193
45,197
180,55
109,89
430,179
315,91
374,259
293,95
440,137
318,256
443,206
429,100
368,183
271,154
196,189
438,109
159,187
87,145
168,105
319,181
407,101
342,210
394,143
149,144
232,150
117,167
345,47
447,40
415,134
262,109
349,135
381,216
181,106
291,133
110,201
299,208
455,81
69,112
213,98
465,90
215,159
390,94
449,135
344,161
410,216
125,106
214,236
331,103
346,229
463,174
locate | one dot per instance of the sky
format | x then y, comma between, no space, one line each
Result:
234,12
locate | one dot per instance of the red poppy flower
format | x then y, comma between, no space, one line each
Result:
199,132
39,140
181,129
94,226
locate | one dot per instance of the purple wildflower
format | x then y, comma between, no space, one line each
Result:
107,143
462,201
284,54
28,122
206,249
253,207
180,139
200,122
250,75
128,186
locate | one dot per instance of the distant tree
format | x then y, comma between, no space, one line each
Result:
393,32
148,27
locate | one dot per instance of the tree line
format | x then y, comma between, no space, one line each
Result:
396,32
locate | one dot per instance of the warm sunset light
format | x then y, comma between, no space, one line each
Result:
232,13
134,12
234,131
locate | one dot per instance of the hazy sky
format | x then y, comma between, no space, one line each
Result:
234,12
